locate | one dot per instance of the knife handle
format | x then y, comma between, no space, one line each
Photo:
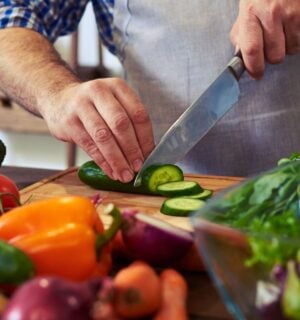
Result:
236,65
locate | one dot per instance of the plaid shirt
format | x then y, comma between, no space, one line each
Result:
57,18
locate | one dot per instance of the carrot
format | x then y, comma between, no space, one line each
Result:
174,296
137,291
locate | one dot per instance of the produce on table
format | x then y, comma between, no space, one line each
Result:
203,195
181,206
179,188
164,180
63,236
137,291
15,266
91,174
9,194
174,296
267,209
103,308
50,298
153,240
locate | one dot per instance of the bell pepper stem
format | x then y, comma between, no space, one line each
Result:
105,237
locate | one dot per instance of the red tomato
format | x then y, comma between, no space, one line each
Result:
9,193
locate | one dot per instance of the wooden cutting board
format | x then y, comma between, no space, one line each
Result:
68,183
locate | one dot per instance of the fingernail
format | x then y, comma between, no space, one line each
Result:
126,176
137,164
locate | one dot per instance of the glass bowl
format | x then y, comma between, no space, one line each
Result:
249,238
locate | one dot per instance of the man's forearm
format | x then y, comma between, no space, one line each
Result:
31,71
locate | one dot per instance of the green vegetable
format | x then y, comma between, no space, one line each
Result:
2,151
202,195
180,206
267,209
179,188
91,174
291,293
294,156
15,266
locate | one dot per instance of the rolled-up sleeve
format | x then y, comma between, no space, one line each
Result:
50,18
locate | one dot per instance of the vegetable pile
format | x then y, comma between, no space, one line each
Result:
267,209
57,252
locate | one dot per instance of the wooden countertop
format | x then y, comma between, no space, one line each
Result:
204,302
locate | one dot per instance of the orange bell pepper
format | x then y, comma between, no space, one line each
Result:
63,236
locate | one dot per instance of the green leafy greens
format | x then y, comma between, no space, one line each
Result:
267,209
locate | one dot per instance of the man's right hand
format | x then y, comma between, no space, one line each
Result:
107,120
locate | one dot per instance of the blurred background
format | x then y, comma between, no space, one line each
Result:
28,141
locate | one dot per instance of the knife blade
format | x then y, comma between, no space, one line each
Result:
200,117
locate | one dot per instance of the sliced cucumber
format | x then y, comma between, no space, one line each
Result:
179,188
180,206
156,175
203,195
92,175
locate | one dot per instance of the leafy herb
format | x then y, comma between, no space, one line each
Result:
267,208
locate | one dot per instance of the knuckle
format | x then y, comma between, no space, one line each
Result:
95,87
89,146
251,50
132,150
140,116
118,81
293,17
274,11
121,122
102,135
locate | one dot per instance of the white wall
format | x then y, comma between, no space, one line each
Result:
43,151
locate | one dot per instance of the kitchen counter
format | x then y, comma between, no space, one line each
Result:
204,302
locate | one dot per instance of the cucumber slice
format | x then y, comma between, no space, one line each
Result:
203,195
179,188
180,206
156,175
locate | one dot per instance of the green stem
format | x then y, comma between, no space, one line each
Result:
105,237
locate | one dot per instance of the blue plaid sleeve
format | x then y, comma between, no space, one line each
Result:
48,17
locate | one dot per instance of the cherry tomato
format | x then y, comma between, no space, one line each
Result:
9,194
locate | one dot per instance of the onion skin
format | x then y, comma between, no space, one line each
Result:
51,298
152,244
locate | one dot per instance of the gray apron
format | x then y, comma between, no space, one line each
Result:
172,50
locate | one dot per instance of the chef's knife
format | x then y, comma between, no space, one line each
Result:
198,119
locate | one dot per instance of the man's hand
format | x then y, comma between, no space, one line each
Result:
104,116
107,120
266,29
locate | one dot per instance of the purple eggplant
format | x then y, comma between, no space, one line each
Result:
51,298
